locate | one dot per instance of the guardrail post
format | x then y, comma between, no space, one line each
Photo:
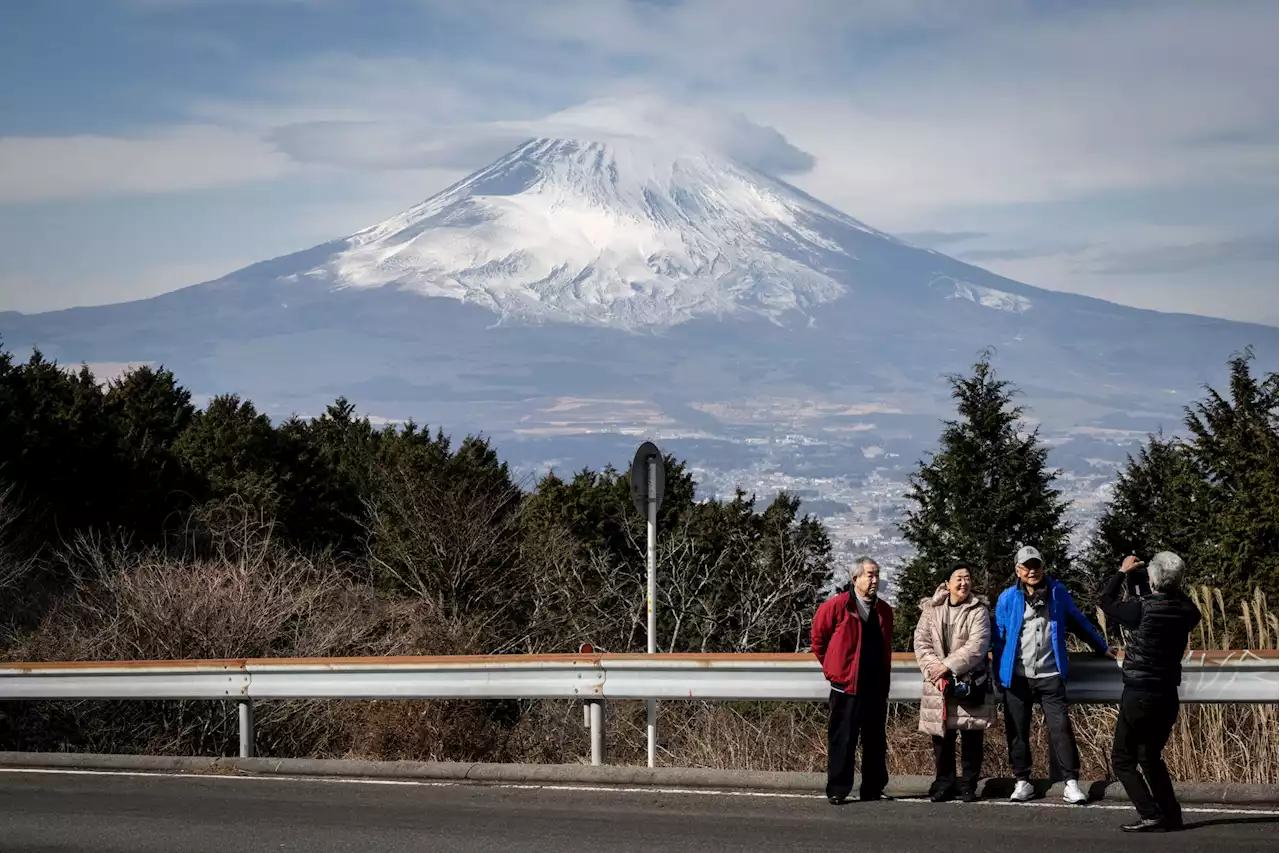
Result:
246,727
597,731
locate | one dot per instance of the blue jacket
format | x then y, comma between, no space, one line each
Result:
1010,608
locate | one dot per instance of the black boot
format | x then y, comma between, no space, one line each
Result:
1146,824
942,791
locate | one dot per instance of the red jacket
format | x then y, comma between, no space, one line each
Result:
837,640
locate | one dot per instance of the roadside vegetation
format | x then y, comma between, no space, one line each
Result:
134,525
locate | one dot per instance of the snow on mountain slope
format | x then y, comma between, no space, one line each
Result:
987,297
614,224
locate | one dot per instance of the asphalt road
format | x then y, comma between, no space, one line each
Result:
110,813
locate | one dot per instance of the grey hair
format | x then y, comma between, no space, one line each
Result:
1165,571
860,565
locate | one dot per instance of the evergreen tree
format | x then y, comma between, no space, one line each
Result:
1211,499
1159,502
329,465
1234,444
56,447
234,453
596,507
982,495
147,411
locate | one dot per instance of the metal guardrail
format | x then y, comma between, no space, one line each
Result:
1212,677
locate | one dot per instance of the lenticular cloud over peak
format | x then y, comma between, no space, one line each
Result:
716,131
656,120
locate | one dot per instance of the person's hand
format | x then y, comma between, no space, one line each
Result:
1130,563
941,684
937,671
1113,653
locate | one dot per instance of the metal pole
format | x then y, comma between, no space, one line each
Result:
246,727
597,732
652,594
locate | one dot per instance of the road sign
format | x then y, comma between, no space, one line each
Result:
640,476
648,482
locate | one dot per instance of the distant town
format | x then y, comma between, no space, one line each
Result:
857,488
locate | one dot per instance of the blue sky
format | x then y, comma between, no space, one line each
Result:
1126,150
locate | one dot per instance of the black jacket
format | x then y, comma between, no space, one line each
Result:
1159,626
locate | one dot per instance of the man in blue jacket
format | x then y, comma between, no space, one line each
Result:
1030,646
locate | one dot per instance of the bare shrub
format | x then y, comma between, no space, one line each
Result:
444,537
738,598
576,595
17,565
249,598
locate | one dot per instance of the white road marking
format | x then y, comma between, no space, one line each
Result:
612,789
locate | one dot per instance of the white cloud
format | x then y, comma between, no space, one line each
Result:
1027,112
406,145
720,41
912,109
181,158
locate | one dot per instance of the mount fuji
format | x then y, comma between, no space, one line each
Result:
613,276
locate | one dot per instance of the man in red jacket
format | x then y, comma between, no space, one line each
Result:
853,640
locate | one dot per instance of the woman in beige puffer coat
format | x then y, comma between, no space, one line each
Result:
953,638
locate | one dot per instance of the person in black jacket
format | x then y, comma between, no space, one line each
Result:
1160,623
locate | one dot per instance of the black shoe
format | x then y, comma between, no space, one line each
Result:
1146,824
838,801
942,794
871,798
969,795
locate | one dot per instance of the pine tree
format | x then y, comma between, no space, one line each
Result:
985,493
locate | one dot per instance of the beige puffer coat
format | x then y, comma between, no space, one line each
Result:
972,638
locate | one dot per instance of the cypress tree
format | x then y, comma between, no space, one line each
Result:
983,494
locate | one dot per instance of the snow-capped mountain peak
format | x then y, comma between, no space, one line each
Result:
613,222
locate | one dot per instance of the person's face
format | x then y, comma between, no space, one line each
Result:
867,583
1031,573
960,584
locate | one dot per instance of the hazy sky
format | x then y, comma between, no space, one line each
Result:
1121,149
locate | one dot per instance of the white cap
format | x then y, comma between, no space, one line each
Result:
1026,553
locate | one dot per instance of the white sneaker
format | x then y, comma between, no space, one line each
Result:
1022,792
1073,795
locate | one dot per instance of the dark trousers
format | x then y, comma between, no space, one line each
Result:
944,759
1143,728
848,718
1051,695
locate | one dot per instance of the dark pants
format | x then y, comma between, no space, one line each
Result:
1051,695
849,718
944,759
1143,728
